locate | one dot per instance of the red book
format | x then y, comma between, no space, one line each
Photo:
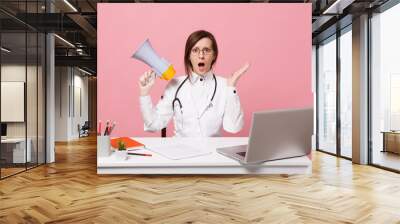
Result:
129,142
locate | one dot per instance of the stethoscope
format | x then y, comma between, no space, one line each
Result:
176,99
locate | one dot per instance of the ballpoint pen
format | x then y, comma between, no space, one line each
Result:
139,154
106,130
112,128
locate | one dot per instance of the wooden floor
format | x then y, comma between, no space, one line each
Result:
70,191
387,159
5,172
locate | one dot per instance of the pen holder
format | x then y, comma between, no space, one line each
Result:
103,146
120,154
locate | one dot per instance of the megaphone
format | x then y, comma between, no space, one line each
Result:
160,66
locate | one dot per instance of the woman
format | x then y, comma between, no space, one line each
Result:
200,102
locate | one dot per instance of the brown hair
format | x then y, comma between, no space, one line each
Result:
191,41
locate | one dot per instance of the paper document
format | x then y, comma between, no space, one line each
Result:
178,151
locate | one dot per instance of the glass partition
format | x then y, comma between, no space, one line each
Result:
22,88
13,103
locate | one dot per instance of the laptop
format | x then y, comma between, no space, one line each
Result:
275,135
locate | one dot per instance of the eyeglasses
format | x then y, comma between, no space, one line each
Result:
206,51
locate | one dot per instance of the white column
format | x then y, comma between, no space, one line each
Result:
50,110
360,90
50,91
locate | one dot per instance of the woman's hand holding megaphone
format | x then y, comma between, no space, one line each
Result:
146,82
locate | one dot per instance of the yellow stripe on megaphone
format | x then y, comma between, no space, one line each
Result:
169,74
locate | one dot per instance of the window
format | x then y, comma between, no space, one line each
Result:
327,95
385,88
346,75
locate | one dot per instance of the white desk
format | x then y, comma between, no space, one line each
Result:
19,149
213,163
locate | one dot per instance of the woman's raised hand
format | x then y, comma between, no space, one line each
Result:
236,75
146,82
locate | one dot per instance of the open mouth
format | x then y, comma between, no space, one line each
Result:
201,65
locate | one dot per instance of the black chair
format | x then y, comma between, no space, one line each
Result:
84,130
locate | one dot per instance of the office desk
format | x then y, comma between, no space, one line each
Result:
18,149
213,163
391,141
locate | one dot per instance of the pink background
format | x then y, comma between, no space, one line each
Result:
274,38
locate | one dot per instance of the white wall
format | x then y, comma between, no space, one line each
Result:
17,73
61,103
79,117
70,83
14,73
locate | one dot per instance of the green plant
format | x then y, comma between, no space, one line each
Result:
121,146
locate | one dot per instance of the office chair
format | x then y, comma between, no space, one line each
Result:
84,130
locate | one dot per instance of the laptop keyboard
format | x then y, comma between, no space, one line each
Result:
241,153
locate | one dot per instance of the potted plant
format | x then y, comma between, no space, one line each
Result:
121,151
